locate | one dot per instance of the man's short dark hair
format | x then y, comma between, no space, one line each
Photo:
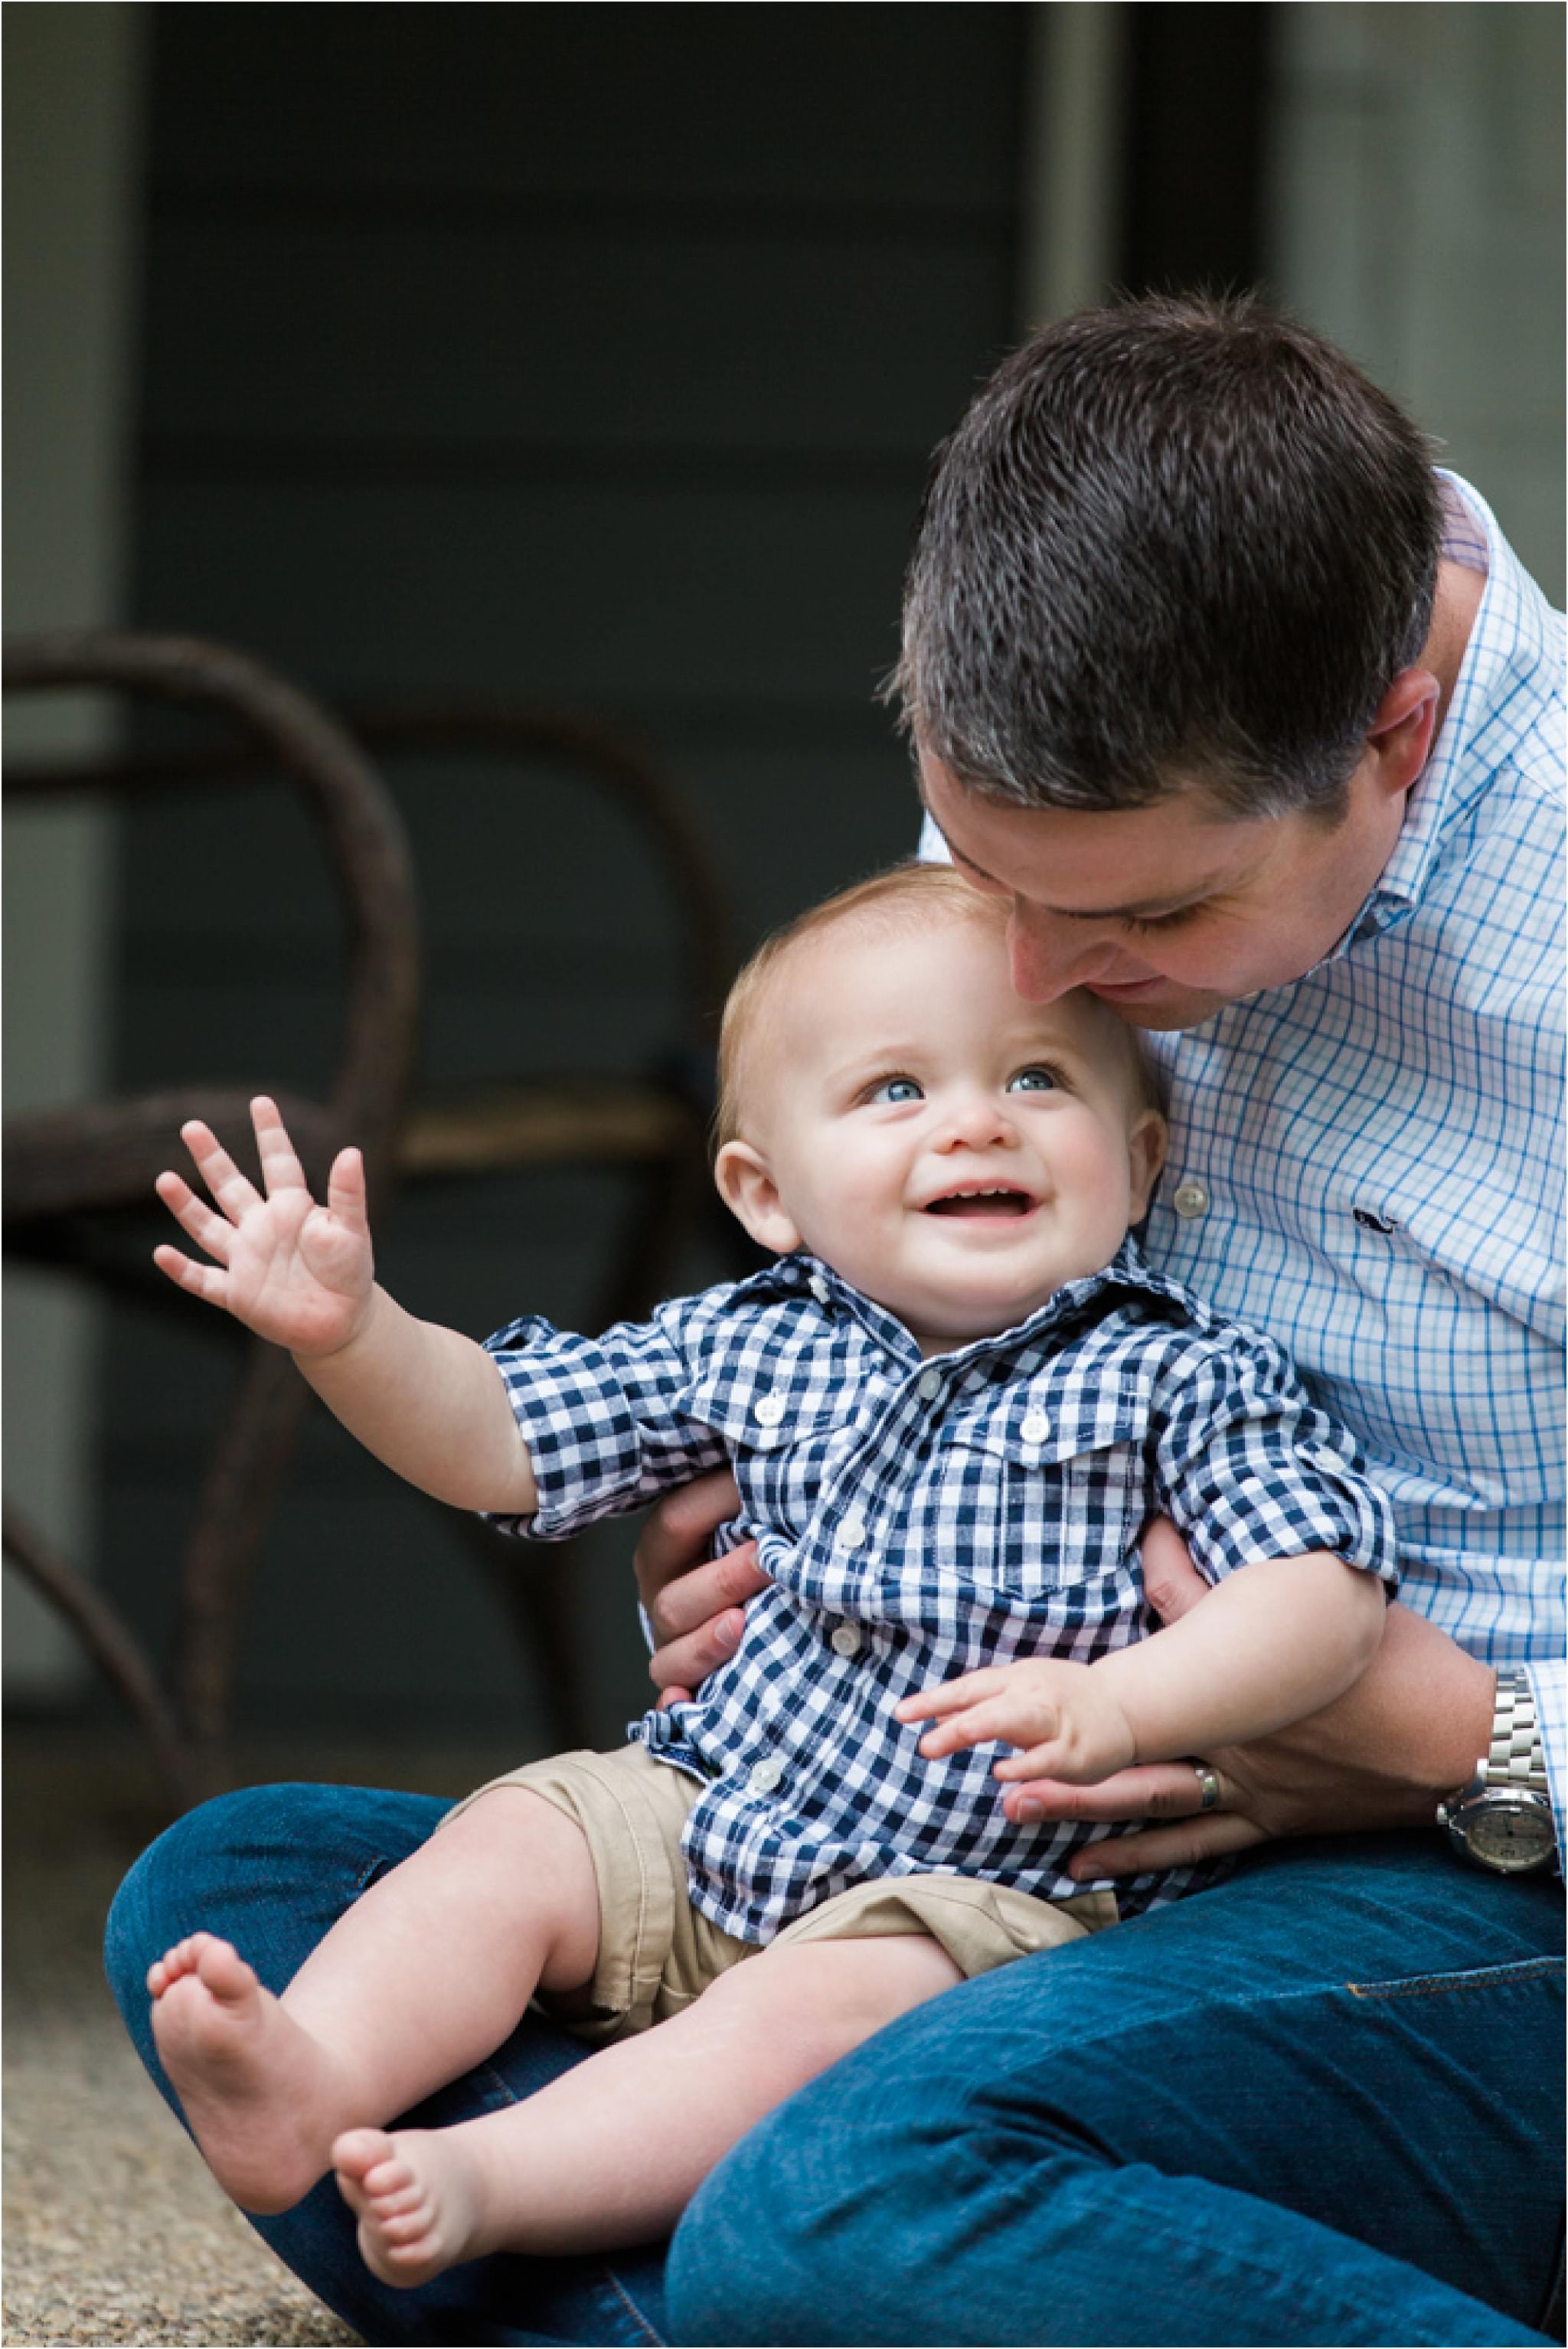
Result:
1179,542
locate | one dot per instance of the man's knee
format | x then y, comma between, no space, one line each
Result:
146,1914
268,1867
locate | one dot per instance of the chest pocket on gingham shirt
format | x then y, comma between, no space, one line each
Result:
1035,1504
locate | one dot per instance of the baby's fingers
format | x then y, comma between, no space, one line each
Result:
1038,1761
345,1190
281,1169
201,1279
948,1696
996,1720
194,1216
233,1192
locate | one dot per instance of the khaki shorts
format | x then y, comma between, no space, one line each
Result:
657,1953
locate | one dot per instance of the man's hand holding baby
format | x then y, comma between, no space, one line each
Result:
1068,1719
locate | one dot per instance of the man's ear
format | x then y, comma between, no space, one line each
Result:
1146,1146
1400,734
749,1191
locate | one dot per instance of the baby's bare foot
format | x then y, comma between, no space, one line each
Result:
419,2198
256,2088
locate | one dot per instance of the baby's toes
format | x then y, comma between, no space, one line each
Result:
403,2226
222,1970
180,1959
388,2179
358,2151
393,2201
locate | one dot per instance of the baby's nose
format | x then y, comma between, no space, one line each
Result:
978,1121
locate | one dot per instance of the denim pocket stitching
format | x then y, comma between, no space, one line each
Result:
1471,1978
630,2305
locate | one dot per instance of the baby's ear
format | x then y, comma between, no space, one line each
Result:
1146,1147
749,1191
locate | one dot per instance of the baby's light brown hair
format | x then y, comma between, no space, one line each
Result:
907,896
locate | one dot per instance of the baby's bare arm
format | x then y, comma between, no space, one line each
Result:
431,1404
1275,1641
1279,1640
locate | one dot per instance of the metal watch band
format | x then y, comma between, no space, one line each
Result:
1516,1757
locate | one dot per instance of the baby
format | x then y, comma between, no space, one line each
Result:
950,1406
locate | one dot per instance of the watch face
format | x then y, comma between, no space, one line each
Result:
1510,1835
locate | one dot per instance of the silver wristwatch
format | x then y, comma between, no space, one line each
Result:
1502,1818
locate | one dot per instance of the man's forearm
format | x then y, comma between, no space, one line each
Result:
432,1405
1409,1730
1270,1644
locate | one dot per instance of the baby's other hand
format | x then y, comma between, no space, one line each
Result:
300,1274
1068,1723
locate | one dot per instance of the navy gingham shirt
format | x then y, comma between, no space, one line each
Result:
918,1519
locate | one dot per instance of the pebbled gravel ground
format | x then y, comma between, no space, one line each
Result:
115,2231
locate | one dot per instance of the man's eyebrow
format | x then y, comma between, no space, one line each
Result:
1162,904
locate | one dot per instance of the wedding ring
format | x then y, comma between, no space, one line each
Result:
1208,1785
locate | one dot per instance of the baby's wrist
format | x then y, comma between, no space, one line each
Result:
1118,1687
316,1358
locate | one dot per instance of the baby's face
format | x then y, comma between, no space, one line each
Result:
956,1152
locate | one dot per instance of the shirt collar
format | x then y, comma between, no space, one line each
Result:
1075,1301
1510,642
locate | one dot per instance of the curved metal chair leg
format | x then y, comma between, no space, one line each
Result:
112,1645
235,1507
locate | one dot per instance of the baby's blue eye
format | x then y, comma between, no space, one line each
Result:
897,1089
1032,1080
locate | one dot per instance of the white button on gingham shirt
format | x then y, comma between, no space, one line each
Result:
918,1519
1379,1149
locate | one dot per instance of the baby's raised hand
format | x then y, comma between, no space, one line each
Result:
1066,1717
297,1273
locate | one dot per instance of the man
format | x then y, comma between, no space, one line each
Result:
1252,720
1257,724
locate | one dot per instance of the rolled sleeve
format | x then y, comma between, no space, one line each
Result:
605,1419
1248,1468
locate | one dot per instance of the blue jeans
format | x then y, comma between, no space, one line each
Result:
1320,2104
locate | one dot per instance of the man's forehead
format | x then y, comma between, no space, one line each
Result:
1093,865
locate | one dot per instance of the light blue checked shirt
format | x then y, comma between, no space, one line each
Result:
1370,1157
916,1520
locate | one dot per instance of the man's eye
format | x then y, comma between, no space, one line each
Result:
1147,923
896,1089
1032,1080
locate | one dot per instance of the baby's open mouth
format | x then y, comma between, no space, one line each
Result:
999,1201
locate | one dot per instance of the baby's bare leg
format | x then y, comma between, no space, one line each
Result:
611,2153
425,1975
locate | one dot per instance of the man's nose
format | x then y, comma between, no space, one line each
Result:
1047,956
